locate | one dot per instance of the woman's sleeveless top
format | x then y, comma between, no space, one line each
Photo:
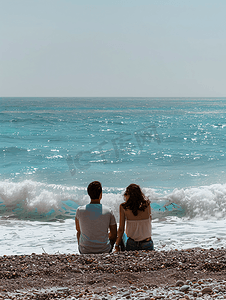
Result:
138,230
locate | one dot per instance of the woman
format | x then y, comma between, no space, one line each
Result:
136,213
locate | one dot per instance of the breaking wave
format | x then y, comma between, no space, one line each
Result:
31,200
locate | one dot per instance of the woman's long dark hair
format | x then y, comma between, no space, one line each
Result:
137,200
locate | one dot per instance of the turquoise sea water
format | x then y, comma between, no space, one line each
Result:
52,148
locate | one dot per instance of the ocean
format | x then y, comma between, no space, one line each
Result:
52,148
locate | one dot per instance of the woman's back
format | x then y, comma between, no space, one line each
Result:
142,215
138,227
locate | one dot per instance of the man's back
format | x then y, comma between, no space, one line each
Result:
94,221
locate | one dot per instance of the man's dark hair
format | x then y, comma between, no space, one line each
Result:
94,189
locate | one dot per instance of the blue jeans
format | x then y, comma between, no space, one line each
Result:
132,245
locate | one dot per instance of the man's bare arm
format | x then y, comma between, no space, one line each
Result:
78,229
113,232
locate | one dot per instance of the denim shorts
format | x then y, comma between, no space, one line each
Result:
132,245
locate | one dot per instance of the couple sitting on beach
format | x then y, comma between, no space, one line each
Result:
94,220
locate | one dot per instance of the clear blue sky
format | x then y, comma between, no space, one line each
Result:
146,48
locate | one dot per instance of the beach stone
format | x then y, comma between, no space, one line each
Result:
126,294
184,288
63,289
179,283
206,290
179,293
195,294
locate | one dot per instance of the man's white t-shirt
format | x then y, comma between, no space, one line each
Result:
94,221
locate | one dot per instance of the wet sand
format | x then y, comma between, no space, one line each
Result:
111,276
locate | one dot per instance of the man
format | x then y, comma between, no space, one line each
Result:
92,223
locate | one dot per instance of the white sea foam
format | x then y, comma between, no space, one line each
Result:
26,237
205,202
28,196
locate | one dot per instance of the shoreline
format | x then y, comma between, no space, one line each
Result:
75,276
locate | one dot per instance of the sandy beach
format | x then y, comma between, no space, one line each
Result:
184,274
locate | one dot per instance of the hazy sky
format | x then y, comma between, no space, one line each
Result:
146,48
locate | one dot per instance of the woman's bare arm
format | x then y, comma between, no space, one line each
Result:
121,226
